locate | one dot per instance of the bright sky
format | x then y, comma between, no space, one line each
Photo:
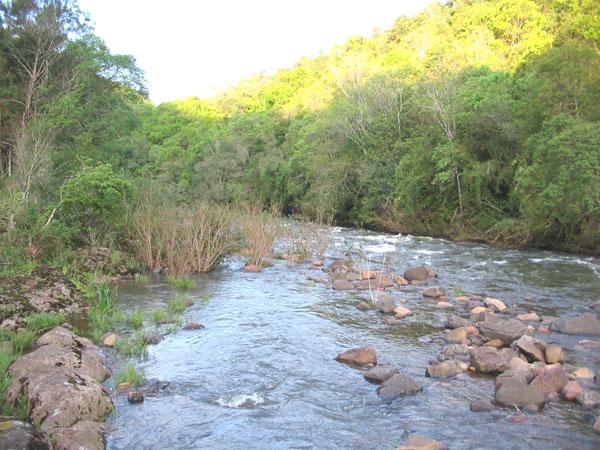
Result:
195,47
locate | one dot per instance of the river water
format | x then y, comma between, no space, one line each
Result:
262,373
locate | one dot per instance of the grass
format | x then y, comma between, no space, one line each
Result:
134,346
183,283
158,316
136,319
204,297
177,305
44,321
458,292
141,278
129,373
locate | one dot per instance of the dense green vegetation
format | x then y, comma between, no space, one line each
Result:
473,120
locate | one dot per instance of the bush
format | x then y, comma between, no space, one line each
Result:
93,201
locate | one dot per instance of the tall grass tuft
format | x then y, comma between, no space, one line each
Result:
260,230
184,240
129,373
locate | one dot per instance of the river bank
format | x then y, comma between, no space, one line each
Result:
259,362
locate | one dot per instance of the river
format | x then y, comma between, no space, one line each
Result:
262,373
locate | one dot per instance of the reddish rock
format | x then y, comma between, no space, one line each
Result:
495,343
193,326
571,390
597,425
544,330
109,340
358,356
529,317
462,298
583,372
342,285
400,281
554,354
401,312
135,397
420,273
416,442
317,263
124,387
252,268
368,274
519,419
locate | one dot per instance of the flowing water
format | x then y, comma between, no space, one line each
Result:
262,373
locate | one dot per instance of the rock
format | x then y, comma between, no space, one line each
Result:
524,374
61,396
358,356
368,274
92,364
379,374
587,323
514,392
135,397
505,330
496,343
17,435
342,285
363,306
597,425
531,409
462,298
446,369
482,405
420,273
385,304
588,399
124,387
553,379
416,442
457,335
554,354
543,330
529,317
191,326
59,336
109,340
589,344
401,312
434,292
353,276
153,339
495,304
583,372
444,305
455,351
488,360
318,263
473,330
478,313
383,281
571,390
400,281
520,418
84,434
153,387
252,268
455,321
398,385
531,347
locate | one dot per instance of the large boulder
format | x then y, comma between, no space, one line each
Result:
455,321
379,374
455,351
587,323
358,356
85,434
488,360
516,393
505,330
398,385
421,273
446,369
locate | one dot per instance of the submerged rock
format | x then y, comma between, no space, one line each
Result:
385,304
482,405
434,292
589,399
420,273
587,323
571,390
342,285
358,356
416,442
398,385
193,326
379,374
135,397
455,321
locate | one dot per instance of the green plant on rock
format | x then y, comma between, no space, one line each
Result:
183,283
136,319
129,373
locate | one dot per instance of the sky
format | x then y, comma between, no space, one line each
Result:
201,47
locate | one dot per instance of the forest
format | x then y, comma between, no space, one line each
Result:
473,120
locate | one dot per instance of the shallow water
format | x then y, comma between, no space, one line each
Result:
262,374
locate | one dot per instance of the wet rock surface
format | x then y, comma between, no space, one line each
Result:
358,356
587,323
398,385
18,435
